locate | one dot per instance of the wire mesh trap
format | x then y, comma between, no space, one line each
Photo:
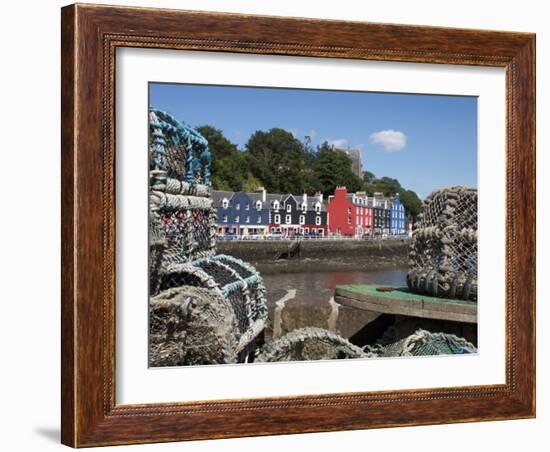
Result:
443,255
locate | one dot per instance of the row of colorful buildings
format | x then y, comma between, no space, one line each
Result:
344,215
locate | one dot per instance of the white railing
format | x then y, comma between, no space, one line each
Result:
250,238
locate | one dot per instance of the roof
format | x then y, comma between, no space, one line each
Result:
256,196
219,195
312,200
270,197
372,201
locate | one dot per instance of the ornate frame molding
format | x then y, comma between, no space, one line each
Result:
90,37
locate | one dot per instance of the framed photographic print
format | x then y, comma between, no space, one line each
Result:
281,225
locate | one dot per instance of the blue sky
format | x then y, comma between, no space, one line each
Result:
424,141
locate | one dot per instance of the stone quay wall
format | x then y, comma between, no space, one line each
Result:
321,255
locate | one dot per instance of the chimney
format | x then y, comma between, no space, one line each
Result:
340,192
262,189
319,196
304,198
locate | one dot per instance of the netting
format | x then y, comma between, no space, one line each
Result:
243,293
443,255
308,344
424,343
182,258
180,200
239,283
178,149
157,247
191,326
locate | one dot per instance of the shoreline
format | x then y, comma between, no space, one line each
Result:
320,256
322,265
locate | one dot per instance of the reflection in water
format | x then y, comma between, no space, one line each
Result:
318,287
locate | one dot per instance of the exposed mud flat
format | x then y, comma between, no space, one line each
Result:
301,281
299,299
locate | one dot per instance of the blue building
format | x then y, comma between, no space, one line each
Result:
397,216
241,213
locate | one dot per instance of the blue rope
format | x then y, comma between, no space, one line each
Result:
180,133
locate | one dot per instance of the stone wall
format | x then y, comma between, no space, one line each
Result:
265,251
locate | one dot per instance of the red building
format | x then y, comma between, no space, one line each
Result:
350,214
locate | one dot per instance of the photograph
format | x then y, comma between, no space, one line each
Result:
290,224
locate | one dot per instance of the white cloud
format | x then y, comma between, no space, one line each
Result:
390,140
312,133
340,143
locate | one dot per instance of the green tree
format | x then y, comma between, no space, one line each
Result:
333,168
390,187
411,202
276,158
387,185
220,146
229,165
368,177
278,161
251,183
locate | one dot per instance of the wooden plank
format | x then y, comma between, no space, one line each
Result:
406,304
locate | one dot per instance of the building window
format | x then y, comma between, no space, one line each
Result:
247,219
349,210
288,207
259,205
277,219
349,220
238,206
237,219
247,206
288,219
276,205
225,203
318,208
302,219
225,218
317,221
304,207
320,231
259,220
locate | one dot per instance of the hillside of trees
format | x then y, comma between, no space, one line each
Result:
278,161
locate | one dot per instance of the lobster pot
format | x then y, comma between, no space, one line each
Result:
191,326
443,253
188,225
425,343
204,308
157,248
309,344
178,149
238,283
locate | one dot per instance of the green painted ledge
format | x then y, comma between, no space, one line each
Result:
401,293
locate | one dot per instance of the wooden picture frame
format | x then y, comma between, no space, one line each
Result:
90,36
